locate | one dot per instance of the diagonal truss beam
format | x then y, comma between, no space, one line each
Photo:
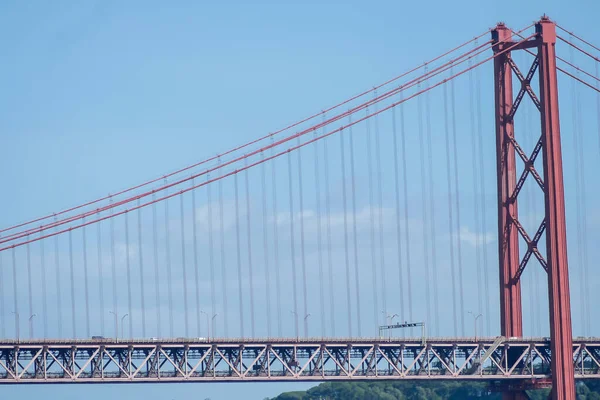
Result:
525,85
531,246
409,359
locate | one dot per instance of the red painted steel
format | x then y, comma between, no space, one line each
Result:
563,381
511,323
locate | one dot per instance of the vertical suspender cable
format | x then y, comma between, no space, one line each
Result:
424,204
249,234
582,199
580,238
478,264
142,280
319,238
85,280
354,235
195,240
186,314
276,242
373,266
168,262
530,221
578,190
398,229
584,215
128,268
2,305
483,199
328,234
302,251
292,244
58,285
156,275
328,214
597,65
223,270
211,257
72,275
535,279
346,251
265,243
450,216
406,213
29,289
100,273
461,308
432,219
597,71
113,262
239,254
15,297
44,290
380,213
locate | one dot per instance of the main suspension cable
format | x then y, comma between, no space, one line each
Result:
414,82
238,148
293,148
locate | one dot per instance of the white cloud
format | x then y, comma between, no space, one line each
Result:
283,218
336,219
229,219
122,249
473,238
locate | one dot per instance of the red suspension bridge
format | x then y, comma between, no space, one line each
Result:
281,258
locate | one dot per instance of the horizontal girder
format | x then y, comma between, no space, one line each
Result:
187,360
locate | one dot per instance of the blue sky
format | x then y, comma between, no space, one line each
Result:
99,95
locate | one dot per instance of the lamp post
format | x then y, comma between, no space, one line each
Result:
388,316
306,324
391,319
207,326
116,324
475,318
122,318
212,325
31,325
296,320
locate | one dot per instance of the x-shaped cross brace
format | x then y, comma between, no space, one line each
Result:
525,85
529,168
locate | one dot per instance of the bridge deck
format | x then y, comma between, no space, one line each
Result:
315,359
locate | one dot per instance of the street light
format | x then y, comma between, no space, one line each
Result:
116,324
31,325
306,324
212,325
391,319
16,323
295,322
207,326
388,316
475,318
122,318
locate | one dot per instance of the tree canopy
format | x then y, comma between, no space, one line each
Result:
425,390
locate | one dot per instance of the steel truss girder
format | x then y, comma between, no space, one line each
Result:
287,360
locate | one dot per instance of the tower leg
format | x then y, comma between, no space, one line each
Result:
563,381
511,323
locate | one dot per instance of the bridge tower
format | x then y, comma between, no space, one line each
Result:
542,46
